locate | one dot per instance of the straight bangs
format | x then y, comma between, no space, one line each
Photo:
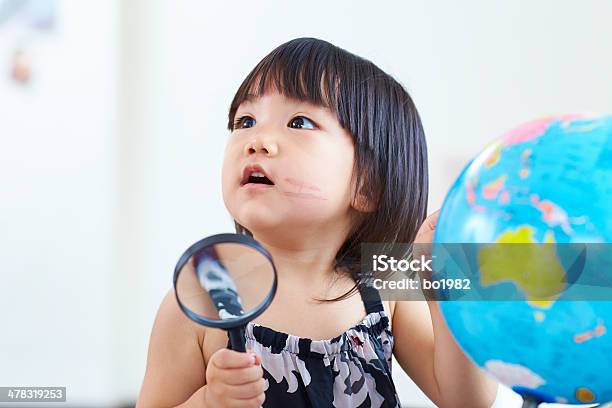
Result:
306,71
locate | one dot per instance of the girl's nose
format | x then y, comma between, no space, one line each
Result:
267,147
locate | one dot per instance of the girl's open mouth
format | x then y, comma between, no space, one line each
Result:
258,179
257,186
254,176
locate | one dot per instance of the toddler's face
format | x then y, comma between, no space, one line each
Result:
302,149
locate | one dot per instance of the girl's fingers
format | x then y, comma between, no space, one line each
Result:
257,358
239,376
225,358
425,237
429,224
248,390
433,219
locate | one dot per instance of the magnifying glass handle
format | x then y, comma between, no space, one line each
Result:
237,339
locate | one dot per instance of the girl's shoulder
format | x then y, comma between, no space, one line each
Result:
173,353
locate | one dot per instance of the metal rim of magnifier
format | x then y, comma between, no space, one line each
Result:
221,239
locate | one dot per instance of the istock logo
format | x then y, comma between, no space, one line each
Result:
383,263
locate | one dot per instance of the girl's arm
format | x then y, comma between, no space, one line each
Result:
175,373
427,351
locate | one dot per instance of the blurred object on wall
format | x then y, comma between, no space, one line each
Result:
39,14
20,69
23,23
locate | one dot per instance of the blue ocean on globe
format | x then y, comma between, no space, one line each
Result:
546,182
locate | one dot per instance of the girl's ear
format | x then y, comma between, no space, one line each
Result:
361,202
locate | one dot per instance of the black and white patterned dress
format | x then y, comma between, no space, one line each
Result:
350,370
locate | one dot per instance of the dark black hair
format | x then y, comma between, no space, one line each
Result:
390,148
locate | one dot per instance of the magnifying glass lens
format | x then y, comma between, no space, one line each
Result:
224,281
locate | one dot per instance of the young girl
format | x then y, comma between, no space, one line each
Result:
342,147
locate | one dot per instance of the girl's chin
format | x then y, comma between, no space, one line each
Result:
277,226
265,219
260,219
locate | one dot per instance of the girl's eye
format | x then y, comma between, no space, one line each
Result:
244,122
301,122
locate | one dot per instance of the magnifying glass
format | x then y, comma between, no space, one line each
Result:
225,281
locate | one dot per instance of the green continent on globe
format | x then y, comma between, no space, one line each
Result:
534,269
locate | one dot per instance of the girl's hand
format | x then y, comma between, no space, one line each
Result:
426,231
422,247
234,380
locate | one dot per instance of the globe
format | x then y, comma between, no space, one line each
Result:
546,184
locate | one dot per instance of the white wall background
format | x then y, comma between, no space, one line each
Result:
58,153
110,165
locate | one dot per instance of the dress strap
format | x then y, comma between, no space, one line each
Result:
371,298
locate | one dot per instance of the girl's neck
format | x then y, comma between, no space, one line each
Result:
308,261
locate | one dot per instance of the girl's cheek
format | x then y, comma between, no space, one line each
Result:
300,189
232,146
304,196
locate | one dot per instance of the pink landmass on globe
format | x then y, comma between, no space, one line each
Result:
471,197
504,197
534,129
552,214
490,191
